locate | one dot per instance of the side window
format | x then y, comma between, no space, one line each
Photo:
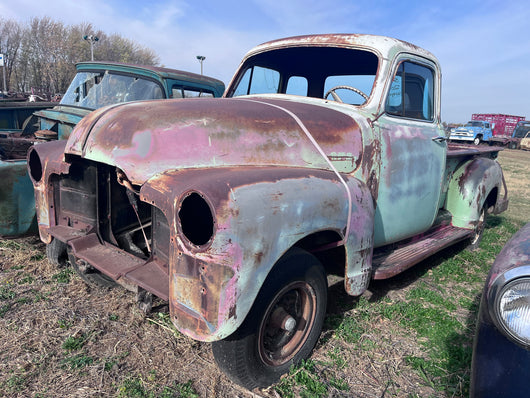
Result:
258,80
176,92
297,85
242,87
195,93
264,81
411,94
187,92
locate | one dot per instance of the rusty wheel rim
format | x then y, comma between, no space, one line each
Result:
480,227
287,323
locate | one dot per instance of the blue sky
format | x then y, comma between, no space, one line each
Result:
483,46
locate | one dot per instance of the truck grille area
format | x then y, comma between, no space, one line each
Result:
90,199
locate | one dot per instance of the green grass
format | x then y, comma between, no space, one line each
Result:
77,361
14,384
6,293
63,276
73,343
139,387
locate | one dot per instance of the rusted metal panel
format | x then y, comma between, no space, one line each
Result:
16,190
213,286
149,135
470,185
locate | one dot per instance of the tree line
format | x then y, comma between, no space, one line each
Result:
42,54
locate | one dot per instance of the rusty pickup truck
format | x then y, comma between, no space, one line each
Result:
95,84
325,156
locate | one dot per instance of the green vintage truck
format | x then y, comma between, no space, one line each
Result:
325,156
95,84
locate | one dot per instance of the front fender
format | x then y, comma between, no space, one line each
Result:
470,186
259,214
43,160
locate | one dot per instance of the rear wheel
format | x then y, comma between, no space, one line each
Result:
283,325
479,230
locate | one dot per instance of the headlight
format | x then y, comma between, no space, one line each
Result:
512,308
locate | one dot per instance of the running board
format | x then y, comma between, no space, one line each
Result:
390,262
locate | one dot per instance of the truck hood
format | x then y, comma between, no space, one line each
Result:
468,129
64,114
151,137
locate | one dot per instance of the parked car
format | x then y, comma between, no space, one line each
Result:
525,142
96,84
501,352
520,132
327,155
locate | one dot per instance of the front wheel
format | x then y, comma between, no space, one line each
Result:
56,251
89,274
476,141
282,327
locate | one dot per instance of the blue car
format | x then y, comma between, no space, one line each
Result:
501,352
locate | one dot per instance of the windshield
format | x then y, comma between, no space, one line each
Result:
475,124
309,72
96,89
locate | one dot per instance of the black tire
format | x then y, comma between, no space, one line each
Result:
272,338
477,140
57,254
512,145
90,275
474,242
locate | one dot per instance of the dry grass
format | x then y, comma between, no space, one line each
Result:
516,166
118,350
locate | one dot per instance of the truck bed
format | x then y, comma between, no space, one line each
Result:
456,150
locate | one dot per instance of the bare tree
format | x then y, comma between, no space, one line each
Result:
43,54
10,40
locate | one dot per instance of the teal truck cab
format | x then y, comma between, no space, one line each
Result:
325,156
95,84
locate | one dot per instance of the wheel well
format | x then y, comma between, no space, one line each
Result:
491,200
322,245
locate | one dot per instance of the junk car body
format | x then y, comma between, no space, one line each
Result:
501,351
95,84
327,155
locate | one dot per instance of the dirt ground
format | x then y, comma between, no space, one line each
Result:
113,345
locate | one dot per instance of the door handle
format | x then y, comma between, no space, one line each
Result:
439,138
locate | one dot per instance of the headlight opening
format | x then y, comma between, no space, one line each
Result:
196,219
